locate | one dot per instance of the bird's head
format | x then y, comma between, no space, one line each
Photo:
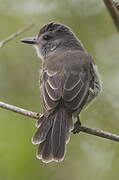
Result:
51,37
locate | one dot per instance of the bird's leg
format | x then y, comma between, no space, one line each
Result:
77,126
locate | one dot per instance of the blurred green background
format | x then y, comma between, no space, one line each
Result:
88,157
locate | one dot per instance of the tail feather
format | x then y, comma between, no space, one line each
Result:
47,151
40,150
53,135
44,149
42,131
70,127
58,138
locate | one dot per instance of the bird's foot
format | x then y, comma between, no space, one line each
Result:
77,126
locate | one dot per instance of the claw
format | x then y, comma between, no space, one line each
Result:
77,126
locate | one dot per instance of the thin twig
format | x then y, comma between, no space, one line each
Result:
84,129
19,110
116,4
113,10
100,133
9,38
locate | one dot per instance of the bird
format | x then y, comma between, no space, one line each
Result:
69,81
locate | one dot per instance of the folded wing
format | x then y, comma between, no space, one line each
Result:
51,89
76,88
72,88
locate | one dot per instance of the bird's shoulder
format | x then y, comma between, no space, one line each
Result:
70,59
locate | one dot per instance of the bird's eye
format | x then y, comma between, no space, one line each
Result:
46,37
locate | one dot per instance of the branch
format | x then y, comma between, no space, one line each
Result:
84,129
19,110
116,4
9,38
113,9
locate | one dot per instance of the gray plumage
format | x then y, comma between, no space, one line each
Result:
69,83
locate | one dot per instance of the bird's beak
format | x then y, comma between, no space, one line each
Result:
29,40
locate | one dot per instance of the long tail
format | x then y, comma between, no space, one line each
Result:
52,136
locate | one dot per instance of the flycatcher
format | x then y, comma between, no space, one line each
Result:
69,81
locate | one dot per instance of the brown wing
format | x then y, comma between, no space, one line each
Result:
51,89
73,89
76,87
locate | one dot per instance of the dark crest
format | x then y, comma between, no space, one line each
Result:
54,27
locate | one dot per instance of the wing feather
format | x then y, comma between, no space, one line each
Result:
51,89
70,86
75,93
